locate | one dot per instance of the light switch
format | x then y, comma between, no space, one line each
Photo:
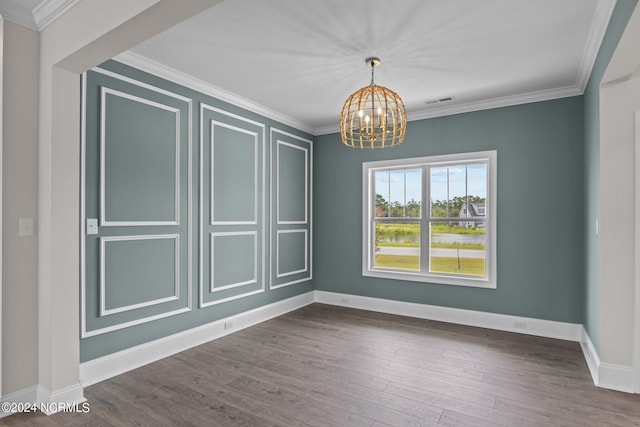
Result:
25,227
92,226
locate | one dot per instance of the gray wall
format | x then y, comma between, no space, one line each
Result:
540,214
20,189
592,293
154,225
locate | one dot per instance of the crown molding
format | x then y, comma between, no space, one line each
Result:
50,10
504,101
601,18
485,104
150,66
37,19
18,14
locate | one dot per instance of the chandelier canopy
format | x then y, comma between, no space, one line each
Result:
373,116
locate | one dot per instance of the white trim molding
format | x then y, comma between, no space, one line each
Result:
606,375
84,333
251,281
104,311
29,394
104,221
145,64
256,173
480,319
305,220
260,207
57,400
38,18
38,398
105,367
426,165
306,253
274,144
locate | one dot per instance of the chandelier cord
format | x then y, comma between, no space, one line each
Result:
373,66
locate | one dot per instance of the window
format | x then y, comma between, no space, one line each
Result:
431,219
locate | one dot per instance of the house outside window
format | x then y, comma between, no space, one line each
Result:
431,219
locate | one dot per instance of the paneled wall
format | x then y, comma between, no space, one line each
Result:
291,213
193,209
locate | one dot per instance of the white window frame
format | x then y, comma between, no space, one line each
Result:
490,220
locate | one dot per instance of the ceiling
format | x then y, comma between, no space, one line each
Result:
298,60
302,58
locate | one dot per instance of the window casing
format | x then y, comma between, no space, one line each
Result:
431,219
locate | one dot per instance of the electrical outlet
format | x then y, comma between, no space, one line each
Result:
520,324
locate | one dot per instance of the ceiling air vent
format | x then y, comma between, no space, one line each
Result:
437,101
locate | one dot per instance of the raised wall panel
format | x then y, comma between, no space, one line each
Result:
291,252
138,271
234,259
137,171
140,160
292,183
291,207
234,175
232,192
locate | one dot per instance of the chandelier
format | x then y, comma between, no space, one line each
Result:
373,117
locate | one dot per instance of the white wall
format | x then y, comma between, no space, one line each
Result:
617,105
1,183
619,99
20,175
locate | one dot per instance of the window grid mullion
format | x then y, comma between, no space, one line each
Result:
425,239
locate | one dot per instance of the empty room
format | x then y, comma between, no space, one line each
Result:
324,213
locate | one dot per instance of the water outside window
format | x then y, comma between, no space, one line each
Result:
398,195
457,244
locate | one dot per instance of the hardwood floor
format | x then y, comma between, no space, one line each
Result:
332,366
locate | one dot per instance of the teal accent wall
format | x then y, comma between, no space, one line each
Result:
592,311
157,231
540,210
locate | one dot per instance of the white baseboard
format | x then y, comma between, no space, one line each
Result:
26,395
108,366
590,355
501,322
606,375
66,399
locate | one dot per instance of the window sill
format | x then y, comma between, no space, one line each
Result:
439,279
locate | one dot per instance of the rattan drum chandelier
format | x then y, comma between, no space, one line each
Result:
373,117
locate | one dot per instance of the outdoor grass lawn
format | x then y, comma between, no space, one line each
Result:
471,266
477,246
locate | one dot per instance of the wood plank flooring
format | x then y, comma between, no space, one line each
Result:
332,366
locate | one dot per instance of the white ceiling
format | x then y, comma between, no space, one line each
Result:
302,58
298,60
